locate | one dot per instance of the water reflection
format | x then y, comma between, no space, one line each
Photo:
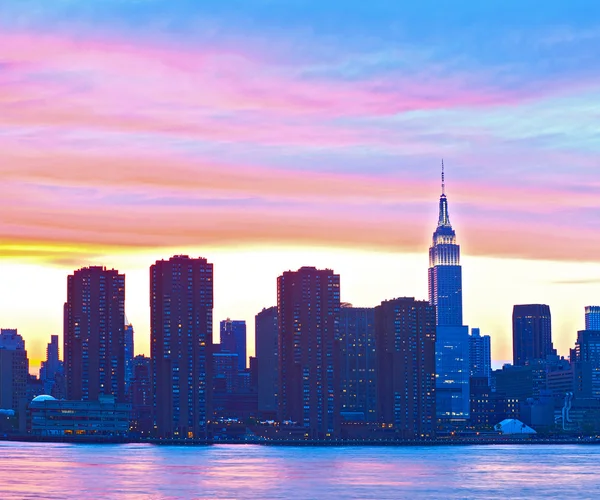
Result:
146,471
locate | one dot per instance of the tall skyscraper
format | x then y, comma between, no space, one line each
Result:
532,333
233,339
592,318
358,362
480,354
405,342
181,322
14,370
586,362
308,302
129,353
94,334
52,366
445,273
452,338
266,348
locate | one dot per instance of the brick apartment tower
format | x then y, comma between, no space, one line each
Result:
181,322
308,302
94,320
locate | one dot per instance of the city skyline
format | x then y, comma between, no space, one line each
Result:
299,136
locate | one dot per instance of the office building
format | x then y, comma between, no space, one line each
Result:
14,370
104,417
452,337
405,346
532,333
480,354
592,318
94,334
129,354
586,364
308,302
233,339
267,361
51,370
181,322
140,394
358,363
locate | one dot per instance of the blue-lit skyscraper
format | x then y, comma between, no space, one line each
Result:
592,318
233,339
452,338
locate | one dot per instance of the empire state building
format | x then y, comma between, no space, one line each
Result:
445,273
452,337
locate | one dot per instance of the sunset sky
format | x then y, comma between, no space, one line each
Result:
268,135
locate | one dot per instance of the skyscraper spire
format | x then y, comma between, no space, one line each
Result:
443,179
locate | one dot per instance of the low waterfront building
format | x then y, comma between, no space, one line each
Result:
52,417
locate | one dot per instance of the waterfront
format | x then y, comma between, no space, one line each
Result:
53,470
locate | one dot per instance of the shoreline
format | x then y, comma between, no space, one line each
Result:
300,443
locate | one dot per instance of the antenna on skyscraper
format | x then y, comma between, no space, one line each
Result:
443,180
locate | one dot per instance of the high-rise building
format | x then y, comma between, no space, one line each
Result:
532,333
358,362
14,370
140,392
94,334
129,353
592,318
308,302
586,364
405,342
233,339
445,272
52,367
480,354
181,322
452,338
266,348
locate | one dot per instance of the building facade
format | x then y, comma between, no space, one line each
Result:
129,354
14,370
586,364
181,322
452,338
52,417
406,384
592,318
94,334
480,354
308,303
532,333
140,394
233,339
51,370
267,361
358,363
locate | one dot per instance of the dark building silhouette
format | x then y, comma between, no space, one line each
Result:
181,312
308,302
129,353
14,370
532,333
141,396
267,361
233,339
94,334
482,415
405,342
51,370
358,363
